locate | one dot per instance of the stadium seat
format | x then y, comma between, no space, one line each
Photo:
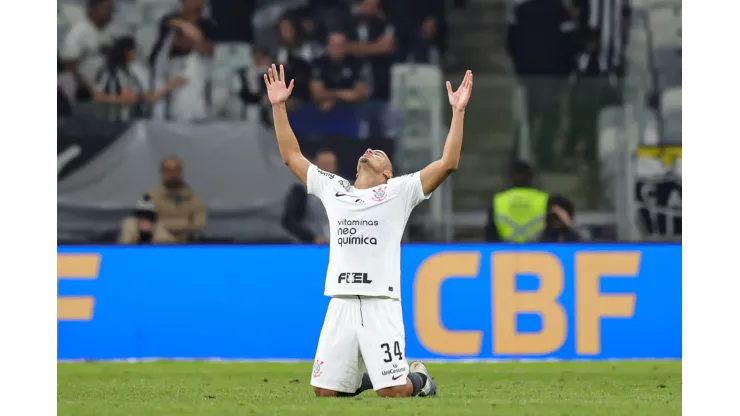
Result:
665,26
70,13
667,63
145,38
670,101
667,79
228,57
651,129
128,13
609,125
152,11
672,127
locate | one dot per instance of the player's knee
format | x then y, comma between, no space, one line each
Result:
324,392
397,391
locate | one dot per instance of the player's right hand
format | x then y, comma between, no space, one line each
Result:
277,91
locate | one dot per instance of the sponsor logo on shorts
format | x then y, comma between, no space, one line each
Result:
396,372
317,368
354,278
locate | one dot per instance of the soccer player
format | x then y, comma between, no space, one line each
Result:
363,327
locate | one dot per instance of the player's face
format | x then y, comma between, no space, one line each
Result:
377,161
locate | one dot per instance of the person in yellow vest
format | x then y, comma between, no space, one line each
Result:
517,215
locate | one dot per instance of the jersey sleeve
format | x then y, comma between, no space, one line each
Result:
410,186
318,181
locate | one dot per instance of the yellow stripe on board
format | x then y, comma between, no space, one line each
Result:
78,266
666,154
75,308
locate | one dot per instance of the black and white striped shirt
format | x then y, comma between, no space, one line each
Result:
603,22
113,81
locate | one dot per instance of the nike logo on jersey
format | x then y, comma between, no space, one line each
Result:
397,377
339,194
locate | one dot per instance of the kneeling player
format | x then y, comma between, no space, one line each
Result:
363,328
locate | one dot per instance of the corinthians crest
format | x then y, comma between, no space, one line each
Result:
317,368
379,194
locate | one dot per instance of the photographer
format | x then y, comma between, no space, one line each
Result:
142,227
559,222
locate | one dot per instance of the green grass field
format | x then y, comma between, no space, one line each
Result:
222,389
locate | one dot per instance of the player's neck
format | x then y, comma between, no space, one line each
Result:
367,180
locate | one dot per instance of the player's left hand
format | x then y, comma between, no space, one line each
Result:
277,90
459,99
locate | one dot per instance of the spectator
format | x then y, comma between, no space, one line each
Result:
374,41
233,20
142,227
559,222
64,107
605,26
517,215
120,81
294,41
424,36
304,217
304,17
329,16
542,43
249,85
588,97
179,208
336,76
183,48
86,44
249,81
603,29
297,53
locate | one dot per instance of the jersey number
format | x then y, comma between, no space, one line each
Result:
396,351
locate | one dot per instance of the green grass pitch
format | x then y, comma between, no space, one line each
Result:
221,389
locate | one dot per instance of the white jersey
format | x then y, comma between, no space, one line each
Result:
366,227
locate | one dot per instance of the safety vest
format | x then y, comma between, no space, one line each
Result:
520,214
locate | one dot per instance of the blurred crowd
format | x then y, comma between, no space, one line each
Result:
339,53
202,56
574,49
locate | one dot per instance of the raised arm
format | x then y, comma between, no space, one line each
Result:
436,172
290,151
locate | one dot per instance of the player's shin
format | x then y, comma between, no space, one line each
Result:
418,380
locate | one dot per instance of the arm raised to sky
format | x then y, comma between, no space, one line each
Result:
436,172
278,93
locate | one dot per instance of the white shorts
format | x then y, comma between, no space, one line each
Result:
361,333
